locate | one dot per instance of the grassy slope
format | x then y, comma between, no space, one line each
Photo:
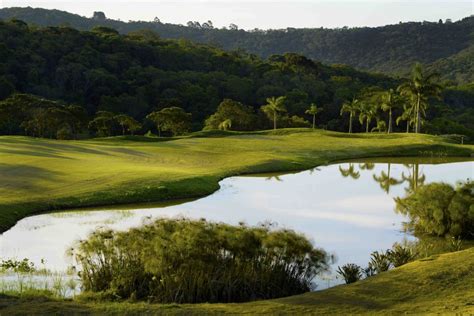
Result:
441,284
40,175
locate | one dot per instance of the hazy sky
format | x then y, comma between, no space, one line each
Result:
265,13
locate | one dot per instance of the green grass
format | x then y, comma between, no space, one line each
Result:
442,284
39,175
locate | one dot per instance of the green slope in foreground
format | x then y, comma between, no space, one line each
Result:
40,175
441,284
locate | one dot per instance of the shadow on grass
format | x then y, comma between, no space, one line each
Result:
18,176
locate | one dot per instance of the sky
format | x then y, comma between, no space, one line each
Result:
265,14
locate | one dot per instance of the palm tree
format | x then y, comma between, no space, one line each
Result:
385,181
415,178
349,172
273,107
313,110
407,115
389,102
367,166
352,108
419,88
225,125
367,113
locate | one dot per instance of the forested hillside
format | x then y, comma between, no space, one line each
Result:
138,73
389,49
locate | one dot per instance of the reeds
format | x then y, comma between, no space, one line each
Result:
185,261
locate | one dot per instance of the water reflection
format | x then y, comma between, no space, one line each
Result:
345,208
413,175
385,181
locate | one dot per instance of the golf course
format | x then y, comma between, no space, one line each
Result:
41,175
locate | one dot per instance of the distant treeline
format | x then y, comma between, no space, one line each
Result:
105,73
389,49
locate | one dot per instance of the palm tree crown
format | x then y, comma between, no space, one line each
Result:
273,107
420,88
313,110
351,108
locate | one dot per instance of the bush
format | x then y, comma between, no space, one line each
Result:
350,272
400,255
439,209
379,262
185,261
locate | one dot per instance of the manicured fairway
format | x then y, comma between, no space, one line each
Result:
441,284
42,175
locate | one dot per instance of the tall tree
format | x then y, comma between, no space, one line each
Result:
313,110
103,123
389,102
351,108
421,87
385,180
273,108
173,119
367,112
127,123
225,125
407,115
349,172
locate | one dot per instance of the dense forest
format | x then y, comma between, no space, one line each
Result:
445,46
63,73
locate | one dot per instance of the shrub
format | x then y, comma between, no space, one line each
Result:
350,272
379,261
441,210
400,255
185,261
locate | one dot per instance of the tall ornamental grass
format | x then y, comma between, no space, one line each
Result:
186,261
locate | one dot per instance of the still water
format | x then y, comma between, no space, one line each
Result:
347,209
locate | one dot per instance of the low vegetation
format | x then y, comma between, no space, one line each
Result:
185,261
439,209
441,284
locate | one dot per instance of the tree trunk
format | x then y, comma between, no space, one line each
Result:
274,120
389,130
314,117
417,120
408,126
367,125
350,124
123,130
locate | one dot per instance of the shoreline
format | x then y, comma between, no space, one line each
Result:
198,186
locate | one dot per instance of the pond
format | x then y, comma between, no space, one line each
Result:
345,208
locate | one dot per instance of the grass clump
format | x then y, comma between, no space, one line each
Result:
185,261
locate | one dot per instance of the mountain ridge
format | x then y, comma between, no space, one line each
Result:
390,49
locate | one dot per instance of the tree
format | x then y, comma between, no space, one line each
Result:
173,119
421,87
350,172
273,108
77,119
313,110
127,123
241,116
367,112
440,209
389,102
407,115
385,180
352,108
99,16
103,123
225,125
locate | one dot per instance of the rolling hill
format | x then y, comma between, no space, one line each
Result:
390,49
